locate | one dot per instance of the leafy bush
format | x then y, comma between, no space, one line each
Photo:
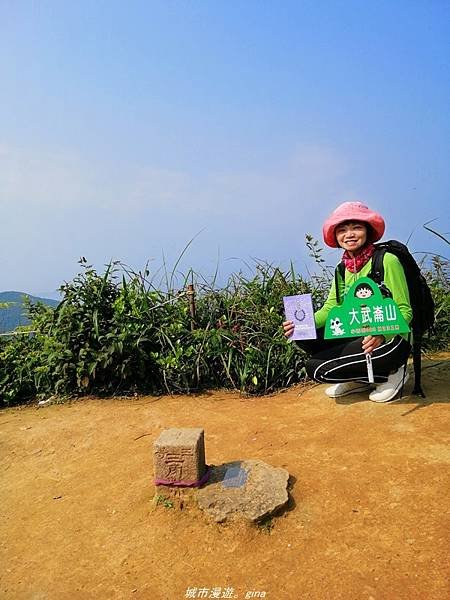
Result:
116,333
438,277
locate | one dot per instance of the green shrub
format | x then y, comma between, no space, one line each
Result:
116,333
438,277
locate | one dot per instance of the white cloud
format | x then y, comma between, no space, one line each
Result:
40,178
50,179
66,206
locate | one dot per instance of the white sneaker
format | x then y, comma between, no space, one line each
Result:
388,390
348,387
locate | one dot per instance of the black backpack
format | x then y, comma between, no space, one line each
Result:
422,303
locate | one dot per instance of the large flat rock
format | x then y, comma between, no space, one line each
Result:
248,489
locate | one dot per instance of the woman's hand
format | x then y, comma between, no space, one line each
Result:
288,327
371,342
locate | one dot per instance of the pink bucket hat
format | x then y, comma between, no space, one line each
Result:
352,211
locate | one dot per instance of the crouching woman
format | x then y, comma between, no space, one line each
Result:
342,363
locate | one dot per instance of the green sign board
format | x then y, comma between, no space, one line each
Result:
365,312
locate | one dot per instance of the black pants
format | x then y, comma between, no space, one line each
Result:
336,361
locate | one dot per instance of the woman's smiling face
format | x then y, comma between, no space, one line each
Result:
351,236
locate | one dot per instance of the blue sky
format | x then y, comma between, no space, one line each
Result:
126,128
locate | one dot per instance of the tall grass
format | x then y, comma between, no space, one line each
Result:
117,332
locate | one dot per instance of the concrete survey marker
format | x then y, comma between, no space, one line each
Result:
179,457
248,489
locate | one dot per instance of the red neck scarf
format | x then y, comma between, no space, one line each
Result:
354,264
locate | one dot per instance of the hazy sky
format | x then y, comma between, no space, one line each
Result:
126,128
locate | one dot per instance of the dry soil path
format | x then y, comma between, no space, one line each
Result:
369,515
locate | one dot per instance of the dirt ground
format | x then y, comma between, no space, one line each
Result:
368,518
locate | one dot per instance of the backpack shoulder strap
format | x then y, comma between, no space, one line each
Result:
339,272
377,271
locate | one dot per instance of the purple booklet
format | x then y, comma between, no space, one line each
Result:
299,309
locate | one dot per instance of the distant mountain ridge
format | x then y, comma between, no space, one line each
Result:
13,315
